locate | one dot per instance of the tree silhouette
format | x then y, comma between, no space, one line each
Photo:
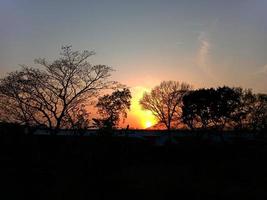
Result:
196,108
260,112
224,107
165,101
112,107
226,101
242,116
210,108
78,118
49,95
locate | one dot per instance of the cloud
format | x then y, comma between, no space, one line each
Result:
203,53
262,70
179,43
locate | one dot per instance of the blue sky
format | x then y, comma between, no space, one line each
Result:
203,42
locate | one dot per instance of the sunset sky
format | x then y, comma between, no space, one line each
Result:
203,42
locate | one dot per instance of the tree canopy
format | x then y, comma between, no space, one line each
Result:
224,108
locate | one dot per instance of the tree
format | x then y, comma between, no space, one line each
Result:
223,108
47,96
165,101
210,108
242,116
196,108
78,118
260,116
226,101
112,107
190,109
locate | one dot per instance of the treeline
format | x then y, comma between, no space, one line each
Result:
177,105
225,108
56,95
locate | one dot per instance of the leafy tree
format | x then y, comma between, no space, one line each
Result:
242,115
225,107
227,100
165,101
112,107
48,95
196,108
257,118
210,108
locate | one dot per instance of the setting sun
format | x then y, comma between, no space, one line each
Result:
148,124
141,118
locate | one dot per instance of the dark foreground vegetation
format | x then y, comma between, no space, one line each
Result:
74,167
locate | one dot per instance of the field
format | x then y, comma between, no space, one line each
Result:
73,167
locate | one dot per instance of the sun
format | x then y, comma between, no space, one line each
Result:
145,118
148,124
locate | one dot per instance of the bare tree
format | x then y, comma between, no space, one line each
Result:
165,101
47,96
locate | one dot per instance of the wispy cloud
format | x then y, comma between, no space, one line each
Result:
179,43
203,53
262,70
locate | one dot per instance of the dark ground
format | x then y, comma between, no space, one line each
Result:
65,167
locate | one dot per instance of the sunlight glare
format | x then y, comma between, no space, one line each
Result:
146,118
148,124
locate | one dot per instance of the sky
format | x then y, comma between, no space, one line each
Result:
206,43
